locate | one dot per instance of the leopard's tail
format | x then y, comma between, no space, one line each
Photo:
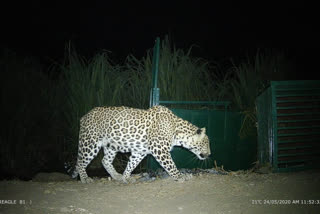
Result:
75,173
71,169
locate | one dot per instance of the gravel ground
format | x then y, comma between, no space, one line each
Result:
235,192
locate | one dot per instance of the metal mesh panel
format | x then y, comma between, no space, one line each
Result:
295,124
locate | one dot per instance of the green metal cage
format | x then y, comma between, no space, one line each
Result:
288,115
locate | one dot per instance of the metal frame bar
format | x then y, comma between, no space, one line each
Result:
274,142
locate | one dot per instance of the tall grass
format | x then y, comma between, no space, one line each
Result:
181,76
138,75
247,80
88,84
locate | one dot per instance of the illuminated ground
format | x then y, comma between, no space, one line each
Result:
206,193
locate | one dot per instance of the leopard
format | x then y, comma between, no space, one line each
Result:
141,132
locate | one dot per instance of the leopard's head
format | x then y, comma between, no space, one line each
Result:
198,143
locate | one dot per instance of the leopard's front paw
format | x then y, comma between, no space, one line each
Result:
128,180
188,176
184,177
117,177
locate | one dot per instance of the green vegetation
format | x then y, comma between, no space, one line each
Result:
85,85
245,81
41,113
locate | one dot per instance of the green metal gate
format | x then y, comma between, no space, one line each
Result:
289,125
222,128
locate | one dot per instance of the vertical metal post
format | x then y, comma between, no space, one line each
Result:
154,94
274,139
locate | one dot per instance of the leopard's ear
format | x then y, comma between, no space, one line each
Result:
201,131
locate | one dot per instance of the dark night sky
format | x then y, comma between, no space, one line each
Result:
220,30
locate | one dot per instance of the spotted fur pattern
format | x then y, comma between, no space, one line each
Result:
153,131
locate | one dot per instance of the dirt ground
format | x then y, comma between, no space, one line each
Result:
236,192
